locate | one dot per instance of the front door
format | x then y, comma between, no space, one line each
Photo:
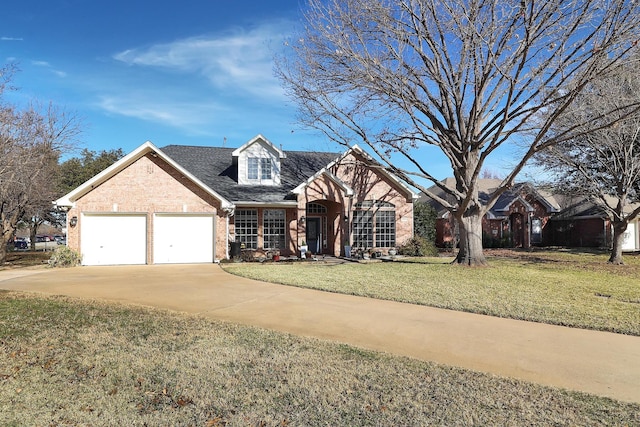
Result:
314,236
517,230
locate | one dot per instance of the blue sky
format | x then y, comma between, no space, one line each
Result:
193,72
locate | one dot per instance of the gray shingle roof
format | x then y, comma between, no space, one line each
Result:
486,188
214,167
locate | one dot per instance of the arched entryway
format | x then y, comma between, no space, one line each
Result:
322,226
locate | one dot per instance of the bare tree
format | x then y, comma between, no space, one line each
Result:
603,166
465,76
30,142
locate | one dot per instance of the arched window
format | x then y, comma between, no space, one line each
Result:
374,224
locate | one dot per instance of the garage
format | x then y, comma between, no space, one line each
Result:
113,239
183,238
630,242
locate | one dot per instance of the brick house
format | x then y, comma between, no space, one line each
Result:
582,223
519,218
525,216
185,204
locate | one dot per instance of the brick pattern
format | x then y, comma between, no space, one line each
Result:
368,184
151,186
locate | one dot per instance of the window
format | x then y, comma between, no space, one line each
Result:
374,221
385,229
265,168
259,168
252,167
246,225
362,229
273,225
316,208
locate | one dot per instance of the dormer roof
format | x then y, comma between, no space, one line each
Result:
260,140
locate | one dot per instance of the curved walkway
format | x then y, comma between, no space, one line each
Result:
601,363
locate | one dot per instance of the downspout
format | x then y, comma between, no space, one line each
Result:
228,214
529,222
349,219
226,250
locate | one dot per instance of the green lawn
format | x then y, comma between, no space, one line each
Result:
69,362
563,288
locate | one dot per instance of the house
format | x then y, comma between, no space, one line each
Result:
185,204
582,223
519,217
525,216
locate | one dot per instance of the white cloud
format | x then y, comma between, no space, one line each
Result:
239,60
47,65
11,39
191,117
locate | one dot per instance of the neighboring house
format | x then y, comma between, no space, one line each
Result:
186,204
518,219
581,222
525,216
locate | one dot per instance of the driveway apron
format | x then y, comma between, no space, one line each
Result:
601,363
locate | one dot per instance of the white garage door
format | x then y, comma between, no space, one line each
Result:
113,239
183,239
629,242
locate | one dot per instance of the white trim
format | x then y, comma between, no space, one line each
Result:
70,198
250,204
324,171
349,192
526,204
255,139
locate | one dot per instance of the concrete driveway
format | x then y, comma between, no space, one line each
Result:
601,363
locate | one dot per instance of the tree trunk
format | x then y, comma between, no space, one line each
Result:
3,251
618,238
470,253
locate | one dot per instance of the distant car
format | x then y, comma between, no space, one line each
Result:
20,245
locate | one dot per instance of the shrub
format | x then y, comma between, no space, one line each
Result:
64,256
418,246
489,241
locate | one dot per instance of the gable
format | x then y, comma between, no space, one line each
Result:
214,166
146,149
355,172
258,162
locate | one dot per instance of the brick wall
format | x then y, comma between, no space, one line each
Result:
149,185
368,184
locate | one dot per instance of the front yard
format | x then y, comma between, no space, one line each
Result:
71,362
563,288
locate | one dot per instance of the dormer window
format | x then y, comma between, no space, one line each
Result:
252,167
259,168
258,162
265,168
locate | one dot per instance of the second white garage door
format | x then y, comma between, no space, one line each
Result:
181,239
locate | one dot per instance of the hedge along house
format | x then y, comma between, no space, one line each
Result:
185,204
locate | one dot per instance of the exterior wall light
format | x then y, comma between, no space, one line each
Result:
302,219
73,221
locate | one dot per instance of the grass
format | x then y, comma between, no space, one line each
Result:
71,362
23,259
572,289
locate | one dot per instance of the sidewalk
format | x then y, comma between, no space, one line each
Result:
601,363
